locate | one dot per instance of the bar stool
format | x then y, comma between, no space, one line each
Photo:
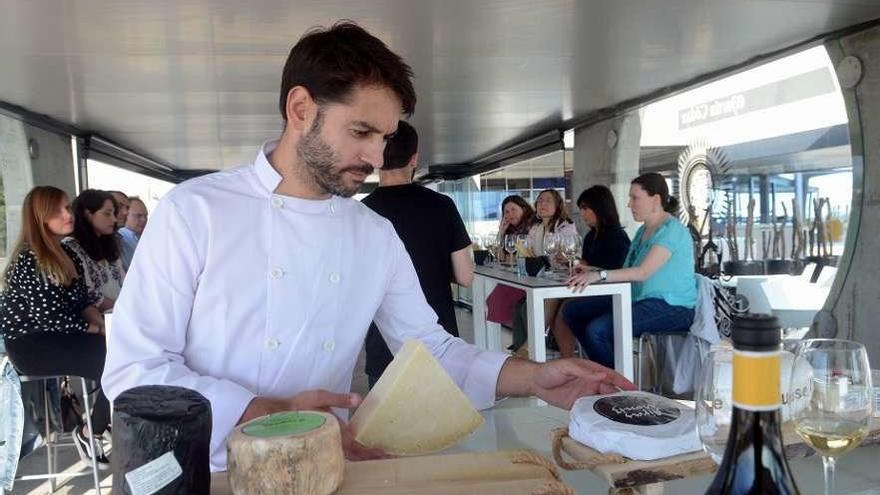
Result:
53,444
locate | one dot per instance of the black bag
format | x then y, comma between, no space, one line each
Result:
71,407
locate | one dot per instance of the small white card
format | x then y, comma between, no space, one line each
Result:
154,475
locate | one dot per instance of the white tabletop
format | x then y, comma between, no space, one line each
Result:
526,424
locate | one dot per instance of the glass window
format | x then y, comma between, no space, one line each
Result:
111,178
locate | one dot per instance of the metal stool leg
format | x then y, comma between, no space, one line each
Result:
641,363
50,454
88,408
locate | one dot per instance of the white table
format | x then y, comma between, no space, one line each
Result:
488,334
527,423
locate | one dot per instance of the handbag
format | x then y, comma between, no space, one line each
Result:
71,407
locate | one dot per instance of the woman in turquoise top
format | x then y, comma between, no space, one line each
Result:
660,265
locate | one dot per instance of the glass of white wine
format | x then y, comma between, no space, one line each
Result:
832,410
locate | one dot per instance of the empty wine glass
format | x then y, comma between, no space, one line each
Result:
712,397
491,242
714,390
570,247
510,246
832,409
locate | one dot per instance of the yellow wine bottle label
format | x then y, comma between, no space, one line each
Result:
756,380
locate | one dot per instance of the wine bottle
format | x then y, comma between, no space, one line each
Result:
754,460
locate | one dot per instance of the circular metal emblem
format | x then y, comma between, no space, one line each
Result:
701,170
849,72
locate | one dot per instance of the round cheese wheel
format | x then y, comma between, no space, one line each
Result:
166,430
295,453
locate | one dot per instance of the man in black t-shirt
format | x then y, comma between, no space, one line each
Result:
432,231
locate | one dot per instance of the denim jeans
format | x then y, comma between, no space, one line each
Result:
592,321
11,423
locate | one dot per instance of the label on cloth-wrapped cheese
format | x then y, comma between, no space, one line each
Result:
415,407
294,453
637,425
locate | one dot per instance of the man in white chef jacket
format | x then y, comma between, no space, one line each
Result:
255,286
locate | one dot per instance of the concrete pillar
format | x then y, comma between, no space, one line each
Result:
29,156
853,308
607,153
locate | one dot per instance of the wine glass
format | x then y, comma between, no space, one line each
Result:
551,247
570,247
491,241
712,398
714,391
832,410
510,245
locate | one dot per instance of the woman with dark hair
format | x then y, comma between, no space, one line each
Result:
606,244
517,217
660,265
48,322
97,250
605,247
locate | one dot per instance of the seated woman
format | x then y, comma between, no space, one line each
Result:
48,322
605,247
660,265
97,250
550,210
554,219
517,218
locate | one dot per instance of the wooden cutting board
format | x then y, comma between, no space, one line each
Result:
623,473
518,472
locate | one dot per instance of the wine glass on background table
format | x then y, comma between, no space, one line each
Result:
831,412
491,242
510,247
570,246
551,248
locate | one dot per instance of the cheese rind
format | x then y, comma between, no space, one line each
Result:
292,453
415,407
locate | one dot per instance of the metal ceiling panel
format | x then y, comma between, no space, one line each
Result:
194,82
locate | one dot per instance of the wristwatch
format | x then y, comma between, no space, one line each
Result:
603,274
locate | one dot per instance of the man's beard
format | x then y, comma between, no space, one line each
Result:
319,160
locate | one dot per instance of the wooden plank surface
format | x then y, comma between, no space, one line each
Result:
502,473
621,472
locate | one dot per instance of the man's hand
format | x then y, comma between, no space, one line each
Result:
562,381
317,400
559,382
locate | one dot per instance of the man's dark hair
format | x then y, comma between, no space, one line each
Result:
401,147
97,247
329,63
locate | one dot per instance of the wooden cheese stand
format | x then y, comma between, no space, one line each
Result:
626,476
516,472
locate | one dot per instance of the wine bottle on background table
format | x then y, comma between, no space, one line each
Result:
754,461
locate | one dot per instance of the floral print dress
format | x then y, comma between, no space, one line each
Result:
102,278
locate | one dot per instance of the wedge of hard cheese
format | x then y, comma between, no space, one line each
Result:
415,407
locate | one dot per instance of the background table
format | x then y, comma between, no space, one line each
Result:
488,334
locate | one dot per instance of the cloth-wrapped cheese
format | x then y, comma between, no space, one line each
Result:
161,441
415,407
295,453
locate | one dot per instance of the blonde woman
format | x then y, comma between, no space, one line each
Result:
48,322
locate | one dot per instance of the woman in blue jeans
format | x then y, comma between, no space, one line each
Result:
660,265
